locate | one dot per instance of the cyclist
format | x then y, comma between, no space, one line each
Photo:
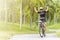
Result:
42,14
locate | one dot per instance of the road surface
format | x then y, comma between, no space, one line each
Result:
34,37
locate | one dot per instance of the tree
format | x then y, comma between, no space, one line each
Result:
20,14
31,9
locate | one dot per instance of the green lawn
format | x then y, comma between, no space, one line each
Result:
58,34
10,29
54,26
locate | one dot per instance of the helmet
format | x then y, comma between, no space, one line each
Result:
41,8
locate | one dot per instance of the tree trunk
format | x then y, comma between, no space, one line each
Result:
49,18
21,14
24,18
55,19
31,16
13,16
6,14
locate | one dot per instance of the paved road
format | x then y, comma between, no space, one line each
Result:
34,37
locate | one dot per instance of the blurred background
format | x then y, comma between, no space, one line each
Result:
19,17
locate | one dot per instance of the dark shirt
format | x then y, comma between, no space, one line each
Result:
42,14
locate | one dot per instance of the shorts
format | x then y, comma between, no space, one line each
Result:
43,20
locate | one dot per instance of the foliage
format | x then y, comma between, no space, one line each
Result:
14,10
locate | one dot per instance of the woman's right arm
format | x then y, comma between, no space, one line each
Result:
35,10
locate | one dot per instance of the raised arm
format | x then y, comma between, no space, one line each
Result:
47,8
35,9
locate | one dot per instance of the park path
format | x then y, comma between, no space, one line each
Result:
34,37
51,36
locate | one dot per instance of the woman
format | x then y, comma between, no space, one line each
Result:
42,14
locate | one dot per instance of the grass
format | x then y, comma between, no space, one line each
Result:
58,34
25,28
55,26
11,29
6,31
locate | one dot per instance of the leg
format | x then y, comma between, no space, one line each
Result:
44,25
41,31
44,29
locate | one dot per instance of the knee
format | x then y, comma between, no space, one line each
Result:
44,25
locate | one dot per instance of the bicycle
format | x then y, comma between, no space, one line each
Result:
41,29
